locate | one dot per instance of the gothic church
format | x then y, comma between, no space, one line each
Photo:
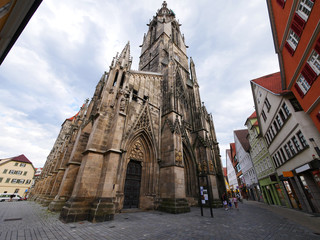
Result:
143,141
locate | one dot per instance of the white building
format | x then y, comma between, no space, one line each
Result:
292,141
231,174
249,177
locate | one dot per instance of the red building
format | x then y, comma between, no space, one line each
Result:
296,32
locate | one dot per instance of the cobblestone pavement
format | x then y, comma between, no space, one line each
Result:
29,220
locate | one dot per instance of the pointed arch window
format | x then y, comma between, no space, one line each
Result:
122,79
115,79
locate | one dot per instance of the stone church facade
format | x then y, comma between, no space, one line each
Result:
141,142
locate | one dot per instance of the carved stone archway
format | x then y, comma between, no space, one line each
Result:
142,151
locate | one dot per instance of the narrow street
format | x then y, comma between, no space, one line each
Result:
29,220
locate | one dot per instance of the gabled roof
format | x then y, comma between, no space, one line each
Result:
242,137
21,158
233,150
225,172
271,83
253,115
229,153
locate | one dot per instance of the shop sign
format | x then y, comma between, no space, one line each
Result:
303,168
287,174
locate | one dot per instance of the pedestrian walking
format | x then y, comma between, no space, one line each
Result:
230,203
235,202
224,201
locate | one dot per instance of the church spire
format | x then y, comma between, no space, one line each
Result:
124,60
193,72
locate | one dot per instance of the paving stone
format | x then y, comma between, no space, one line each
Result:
250,222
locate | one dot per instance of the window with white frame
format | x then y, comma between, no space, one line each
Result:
14,180
263,115
304,9
21,181
291,148
280,123
303,84
286,109
302,139
314,62
267,103
293,39
296,143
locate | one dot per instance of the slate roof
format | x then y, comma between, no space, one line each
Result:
242,136
272,83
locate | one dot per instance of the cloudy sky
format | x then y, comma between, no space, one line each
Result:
67,45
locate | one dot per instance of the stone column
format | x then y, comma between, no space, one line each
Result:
71,172
172,182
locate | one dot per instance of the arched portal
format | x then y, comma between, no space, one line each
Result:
190,172
132,185
141,173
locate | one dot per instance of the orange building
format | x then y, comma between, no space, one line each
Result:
296,32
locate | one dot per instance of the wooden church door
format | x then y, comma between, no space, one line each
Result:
132,185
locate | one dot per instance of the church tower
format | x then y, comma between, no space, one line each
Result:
144,141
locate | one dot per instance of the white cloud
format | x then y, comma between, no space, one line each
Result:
67,45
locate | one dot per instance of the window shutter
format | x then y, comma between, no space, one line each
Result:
299,21
296,28
289,48
281,3
317,47
309,74
296,86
